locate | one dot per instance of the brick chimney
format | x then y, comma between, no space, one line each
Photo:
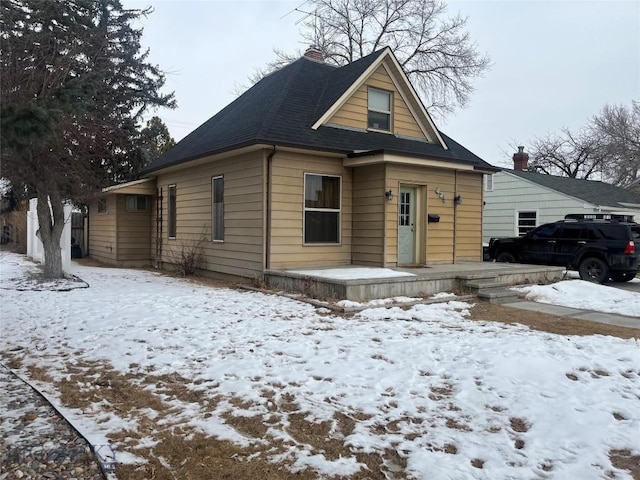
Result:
520,159
315,54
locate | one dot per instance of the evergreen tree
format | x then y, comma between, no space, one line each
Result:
147,144
74,85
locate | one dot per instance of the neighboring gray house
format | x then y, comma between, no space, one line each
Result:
517,200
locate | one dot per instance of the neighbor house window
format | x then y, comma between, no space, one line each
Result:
321,208
527,221
379,117
136,203
217,209
102,205
488,183
171,214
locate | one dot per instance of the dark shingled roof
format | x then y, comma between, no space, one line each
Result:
594,192
280,110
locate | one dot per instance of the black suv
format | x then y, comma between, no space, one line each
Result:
598,249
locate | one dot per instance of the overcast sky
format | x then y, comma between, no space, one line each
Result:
555,63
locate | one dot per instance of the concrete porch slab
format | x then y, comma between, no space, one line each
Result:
318,282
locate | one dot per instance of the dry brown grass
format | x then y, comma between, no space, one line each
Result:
184,453
548,323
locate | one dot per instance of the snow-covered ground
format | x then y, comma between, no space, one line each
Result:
586,296
520,403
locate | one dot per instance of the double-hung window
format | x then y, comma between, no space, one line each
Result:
217,209
171,213
322,197
379,110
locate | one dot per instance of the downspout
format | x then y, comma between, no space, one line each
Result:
267,242
455,213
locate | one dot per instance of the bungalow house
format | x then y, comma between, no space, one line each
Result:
315,165
517,200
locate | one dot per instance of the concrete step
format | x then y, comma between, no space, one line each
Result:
498,295
484,283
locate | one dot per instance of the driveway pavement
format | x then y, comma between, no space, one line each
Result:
632,286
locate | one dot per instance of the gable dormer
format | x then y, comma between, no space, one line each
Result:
382,100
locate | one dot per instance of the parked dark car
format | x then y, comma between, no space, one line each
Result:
597,249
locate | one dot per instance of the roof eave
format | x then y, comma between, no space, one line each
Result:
383,151
258,143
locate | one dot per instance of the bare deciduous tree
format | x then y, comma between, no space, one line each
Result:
619,130
567,154
607,148
435,51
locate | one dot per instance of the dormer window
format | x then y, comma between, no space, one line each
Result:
379,115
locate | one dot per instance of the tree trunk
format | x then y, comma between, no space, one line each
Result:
51,220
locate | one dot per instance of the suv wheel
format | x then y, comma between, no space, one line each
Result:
505,257
593,269
622,277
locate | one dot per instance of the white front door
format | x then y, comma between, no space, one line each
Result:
406,229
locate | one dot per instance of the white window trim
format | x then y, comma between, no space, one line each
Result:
517,219
305,209
213,239
369,109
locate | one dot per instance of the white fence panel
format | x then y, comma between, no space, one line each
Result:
35,249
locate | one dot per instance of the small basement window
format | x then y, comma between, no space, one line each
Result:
379,110
136,203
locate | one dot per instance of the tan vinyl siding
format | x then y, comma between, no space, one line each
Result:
134,233
287,191
468,215
368,215
102,232
434,240
354,111
241,253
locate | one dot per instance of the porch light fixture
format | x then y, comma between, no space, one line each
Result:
388,195
457,199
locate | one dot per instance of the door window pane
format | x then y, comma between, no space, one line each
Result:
404,215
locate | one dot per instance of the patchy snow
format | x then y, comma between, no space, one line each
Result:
586,296
437,389
379,302
355,273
